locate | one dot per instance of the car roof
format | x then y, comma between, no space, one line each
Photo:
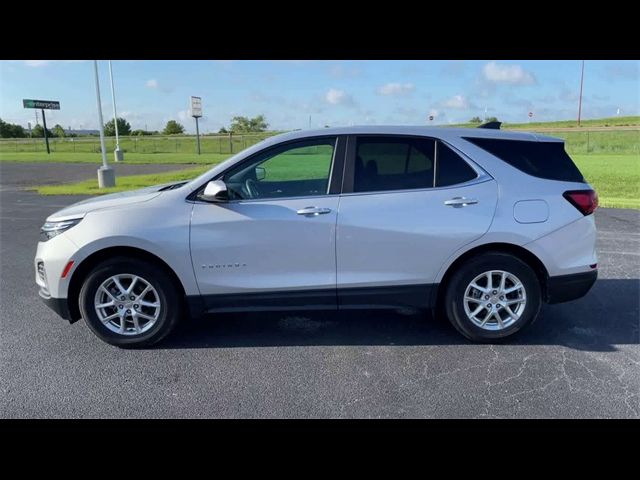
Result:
442,132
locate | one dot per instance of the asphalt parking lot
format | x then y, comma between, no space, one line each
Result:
580,359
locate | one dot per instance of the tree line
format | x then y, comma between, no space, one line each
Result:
238,125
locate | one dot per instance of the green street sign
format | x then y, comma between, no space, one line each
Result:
45,104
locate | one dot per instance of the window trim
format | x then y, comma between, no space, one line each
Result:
336,170
349,174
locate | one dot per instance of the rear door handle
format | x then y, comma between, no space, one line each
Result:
313,211
458,202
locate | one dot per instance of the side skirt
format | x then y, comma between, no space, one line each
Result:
390,297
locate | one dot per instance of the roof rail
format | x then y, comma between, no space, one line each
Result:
491,125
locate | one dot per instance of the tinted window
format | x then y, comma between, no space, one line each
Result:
294,170
384,163
451,168
540,159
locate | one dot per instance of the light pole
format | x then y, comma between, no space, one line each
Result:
106,175
580,100
119,154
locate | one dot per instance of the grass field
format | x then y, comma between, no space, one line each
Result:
135,145
131,182
615,177
132,158
593,122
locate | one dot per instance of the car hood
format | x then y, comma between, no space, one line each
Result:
80,209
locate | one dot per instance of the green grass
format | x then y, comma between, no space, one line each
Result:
135,145
615,177
594,122
132,158
131,182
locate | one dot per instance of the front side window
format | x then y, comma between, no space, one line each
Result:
294,170
387,163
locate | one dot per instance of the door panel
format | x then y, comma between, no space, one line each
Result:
403,238
251,246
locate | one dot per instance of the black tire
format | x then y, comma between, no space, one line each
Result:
170,300
454,296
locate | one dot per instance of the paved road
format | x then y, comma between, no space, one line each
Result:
580,359
15,175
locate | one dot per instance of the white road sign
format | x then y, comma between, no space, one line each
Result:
196,107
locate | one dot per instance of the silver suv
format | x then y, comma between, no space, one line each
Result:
481,225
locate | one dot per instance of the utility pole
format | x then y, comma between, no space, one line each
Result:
580,100
106,175
119,155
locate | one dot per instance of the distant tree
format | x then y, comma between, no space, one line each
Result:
491,119
241,124
123,128
140,132
38,131
223,130
173,128
11,130
326,126
58,131
475,120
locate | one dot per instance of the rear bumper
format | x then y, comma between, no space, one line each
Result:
564,288
58,305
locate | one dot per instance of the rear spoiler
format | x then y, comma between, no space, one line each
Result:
491,125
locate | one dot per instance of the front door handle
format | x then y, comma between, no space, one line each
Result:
458,202
313,211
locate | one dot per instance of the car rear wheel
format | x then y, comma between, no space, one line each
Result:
493,296
129,303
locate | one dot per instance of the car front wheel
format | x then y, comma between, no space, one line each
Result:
493,296
129,303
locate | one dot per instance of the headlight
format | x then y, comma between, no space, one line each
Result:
51,229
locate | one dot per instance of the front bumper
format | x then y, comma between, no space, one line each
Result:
58,305
564,288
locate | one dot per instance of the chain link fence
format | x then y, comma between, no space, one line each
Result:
611,141
221,144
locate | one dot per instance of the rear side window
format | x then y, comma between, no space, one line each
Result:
540,159
451,169
387,163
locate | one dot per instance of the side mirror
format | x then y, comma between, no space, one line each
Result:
215,191
261,173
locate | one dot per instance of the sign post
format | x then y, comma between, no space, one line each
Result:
530,115
106,175
196,112
42,105
118,154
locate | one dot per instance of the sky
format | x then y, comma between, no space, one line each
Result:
296,94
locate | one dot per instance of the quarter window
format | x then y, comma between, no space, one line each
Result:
451,168
541,159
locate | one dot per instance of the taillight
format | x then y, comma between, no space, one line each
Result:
586,201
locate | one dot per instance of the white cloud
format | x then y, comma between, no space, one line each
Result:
37,63
338,97
508,74
395,88
153,83
46,63
183,115
457,102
